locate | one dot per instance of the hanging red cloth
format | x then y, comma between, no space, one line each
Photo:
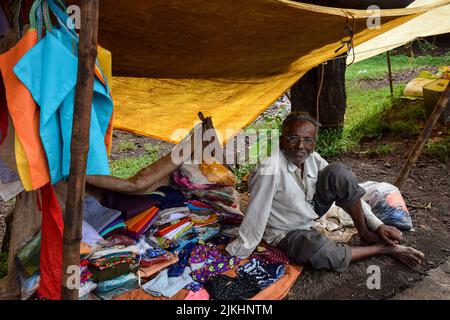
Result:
51,245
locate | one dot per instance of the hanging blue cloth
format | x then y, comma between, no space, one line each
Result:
49,71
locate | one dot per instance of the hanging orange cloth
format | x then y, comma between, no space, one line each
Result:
25,116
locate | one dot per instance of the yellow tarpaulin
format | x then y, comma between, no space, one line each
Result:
229,59
433,22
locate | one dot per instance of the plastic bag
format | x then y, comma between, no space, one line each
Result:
387,204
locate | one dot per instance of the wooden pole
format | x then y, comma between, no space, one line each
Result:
418,147
25,224
87,53
391,86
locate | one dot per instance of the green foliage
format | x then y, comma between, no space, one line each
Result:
376,67
126,145
426,46
129,166
380,150
439,149
151,149
243,170
270,121
333,142
404,129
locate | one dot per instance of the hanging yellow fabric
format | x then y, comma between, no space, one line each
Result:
105,61
228,59
22,164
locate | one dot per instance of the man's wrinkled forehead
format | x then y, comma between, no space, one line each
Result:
301,128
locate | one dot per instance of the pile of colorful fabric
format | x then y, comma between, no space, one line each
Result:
173,239
86,279
165,243
212,196
112,268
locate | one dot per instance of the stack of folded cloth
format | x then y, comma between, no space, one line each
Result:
131,205
201,213
110,289
86,282
102,219
140,223
204,176
204,233
175,229
224,199
119,240
152,256
113,262
118,226
212,184
172,214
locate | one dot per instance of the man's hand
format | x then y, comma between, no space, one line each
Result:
389,235
368,238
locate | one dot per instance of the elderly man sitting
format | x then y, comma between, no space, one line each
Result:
293,188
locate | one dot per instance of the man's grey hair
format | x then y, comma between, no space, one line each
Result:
300,116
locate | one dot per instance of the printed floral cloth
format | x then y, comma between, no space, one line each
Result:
105,263
269,254
210,261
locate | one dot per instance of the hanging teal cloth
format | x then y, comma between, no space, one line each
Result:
49,71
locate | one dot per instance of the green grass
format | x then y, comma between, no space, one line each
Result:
126,145
127,167
333,142
151,149
376,67
380,150
439,149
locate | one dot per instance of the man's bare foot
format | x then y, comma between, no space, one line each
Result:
409,256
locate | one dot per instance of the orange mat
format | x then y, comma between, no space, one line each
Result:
276,291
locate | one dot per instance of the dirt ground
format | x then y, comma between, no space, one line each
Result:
427,195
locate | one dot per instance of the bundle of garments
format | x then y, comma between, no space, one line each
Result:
252,277
87,284
140,213
113,267
196,264
120,264
213,185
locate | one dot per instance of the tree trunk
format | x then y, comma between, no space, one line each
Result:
330,109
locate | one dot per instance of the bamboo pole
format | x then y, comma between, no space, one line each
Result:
87,53
25,224
391,86
444,100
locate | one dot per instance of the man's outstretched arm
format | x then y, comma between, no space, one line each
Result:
145,181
